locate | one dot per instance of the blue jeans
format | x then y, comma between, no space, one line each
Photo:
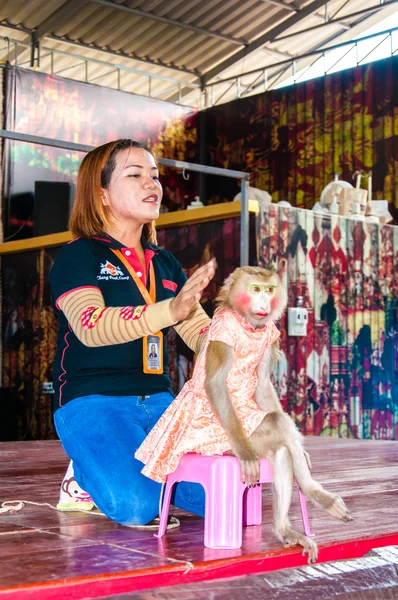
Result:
101,434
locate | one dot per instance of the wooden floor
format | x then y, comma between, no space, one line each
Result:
373,577
47,554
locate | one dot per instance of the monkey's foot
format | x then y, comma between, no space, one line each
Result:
293,538
333,504
339,510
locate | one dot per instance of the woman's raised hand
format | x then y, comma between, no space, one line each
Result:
181,305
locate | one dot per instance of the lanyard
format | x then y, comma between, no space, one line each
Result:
150,297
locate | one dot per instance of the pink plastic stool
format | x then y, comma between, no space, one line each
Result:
229,503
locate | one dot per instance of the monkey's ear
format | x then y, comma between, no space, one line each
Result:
223,295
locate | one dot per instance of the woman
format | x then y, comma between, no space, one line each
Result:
115,293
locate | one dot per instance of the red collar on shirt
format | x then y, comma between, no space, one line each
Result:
131,256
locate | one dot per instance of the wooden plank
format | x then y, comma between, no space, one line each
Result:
42,241
215,212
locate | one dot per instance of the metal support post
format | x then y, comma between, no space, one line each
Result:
244,221
202,155
34,51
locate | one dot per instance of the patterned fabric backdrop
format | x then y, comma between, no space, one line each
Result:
342,379
293,140
29,339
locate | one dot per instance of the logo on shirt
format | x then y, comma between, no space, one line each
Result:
109,271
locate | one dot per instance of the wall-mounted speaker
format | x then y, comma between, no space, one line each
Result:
18,222
51,207
8,414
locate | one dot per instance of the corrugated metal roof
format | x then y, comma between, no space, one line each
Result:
162,46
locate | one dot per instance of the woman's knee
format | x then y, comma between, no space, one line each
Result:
131,510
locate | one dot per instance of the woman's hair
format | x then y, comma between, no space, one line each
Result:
89,217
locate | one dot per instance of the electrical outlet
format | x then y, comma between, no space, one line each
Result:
297,320
47,387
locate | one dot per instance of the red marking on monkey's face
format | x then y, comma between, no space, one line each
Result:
243,301
274,303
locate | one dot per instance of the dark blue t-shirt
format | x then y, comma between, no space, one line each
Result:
114,370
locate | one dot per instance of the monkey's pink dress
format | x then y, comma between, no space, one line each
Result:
189,424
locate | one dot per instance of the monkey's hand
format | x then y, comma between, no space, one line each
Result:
191,292
249,465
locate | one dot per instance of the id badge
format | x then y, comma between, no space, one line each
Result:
152,353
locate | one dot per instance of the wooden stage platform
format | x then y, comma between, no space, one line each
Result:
47,554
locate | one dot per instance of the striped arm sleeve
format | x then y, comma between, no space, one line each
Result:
192,330
96,325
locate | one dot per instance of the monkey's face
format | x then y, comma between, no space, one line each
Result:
259,298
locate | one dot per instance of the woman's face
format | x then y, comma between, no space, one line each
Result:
134,192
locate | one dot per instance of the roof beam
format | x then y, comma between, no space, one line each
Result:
57,18
319,47
118,53
24,46
277,53
263,39
286,6
313,51
147,15
292,7
364,11
14,52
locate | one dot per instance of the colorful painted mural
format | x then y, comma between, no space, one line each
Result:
294,139
340,380
63,109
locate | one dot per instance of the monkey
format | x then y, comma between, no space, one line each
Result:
230,405
259,296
